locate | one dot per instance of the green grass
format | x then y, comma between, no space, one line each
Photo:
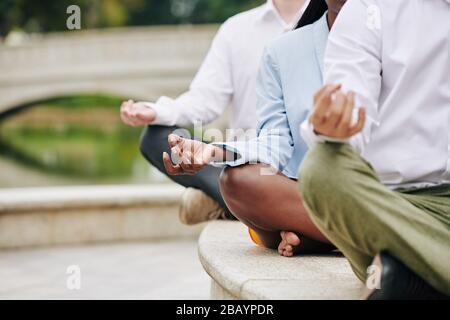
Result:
83,102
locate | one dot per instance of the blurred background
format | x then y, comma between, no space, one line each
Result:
75,193
60,90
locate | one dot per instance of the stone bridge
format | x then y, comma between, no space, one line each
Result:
139,63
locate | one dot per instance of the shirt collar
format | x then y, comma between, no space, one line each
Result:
269,10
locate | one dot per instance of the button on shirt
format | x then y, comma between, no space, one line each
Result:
396,56
228,73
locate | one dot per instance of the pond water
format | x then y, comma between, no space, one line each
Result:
72,141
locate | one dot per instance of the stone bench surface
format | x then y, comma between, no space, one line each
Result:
241,270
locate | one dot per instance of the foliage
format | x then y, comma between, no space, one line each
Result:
50,15
78,144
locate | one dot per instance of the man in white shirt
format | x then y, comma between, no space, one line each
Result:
227,76
377,184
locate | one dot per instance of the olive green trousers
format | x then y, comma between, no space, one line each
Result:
362,217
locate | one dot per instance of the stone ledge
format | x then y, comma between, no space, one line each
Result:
241,270
67,198
74,215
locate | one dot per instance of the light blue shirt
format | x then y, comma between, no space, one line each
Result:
290,73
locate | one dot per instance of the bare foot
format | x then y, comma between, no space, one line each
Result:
289,241
291,244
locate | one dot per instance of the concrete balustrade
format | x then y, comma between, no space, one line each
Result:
73,215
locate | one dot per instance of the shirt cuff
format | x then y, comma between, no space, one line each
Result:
311,138
235,148
165,114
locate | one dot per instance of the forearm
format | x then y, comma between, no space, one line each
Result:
190,108
274,151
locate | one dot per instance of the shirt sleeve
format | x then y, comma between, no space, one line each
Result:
274,143
353,59
209,93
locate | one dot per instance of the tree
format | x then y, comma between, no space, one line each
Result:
50,15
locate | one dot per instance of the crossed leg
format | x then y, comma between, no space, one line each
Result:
271,205
362,217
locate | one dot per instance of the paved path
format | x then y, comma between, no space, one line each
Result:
146,270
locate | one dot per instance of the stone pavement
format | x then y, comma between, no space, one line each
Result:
131,270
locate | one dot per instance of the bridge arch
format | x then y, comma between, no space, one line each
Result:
139,63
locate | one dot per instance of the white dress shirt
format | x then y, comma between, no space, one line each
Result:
229,72
396,56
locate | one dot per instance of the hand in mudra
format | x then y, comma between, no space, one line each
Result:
136,113
333,111
190,156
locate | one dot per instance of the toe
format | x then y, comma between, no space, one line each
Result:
287,253
292,239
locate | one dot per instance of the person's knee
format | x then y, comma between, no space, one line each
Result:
317,172
145,142
236,186
153,142
233,182
323,176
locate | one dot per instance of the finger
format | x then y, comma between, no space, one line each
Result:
323,95
186,157
190,158
186,165
130,120
336,110
128,111
144,113
209,154
144,116
170,168
176,155
198,162
346,119
321,91
323,103
187,169
125,114
132,109
126,119
124,109
198,166
358,127
174,140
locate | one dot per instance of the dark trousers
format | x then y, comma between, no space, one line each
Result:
154,143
